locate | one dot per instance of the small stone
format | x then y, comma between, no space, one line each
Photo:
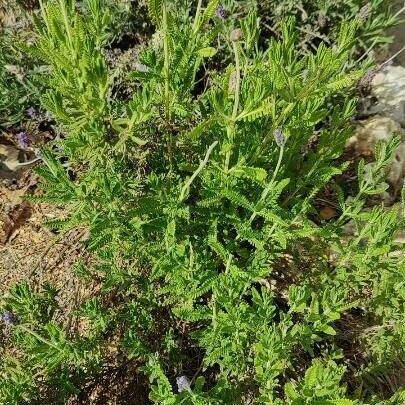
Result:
9,160
388,88
371,131
400,238
387,198
349,229
396,174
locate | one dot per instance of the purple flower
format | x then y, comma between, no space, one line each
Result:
31,112
22,139
221,12
8,318
279,137
183,383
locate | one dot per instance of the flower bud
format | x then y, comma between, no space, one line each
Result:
279,137
364,13
236,35
322,21
32,113
22,139
221,12
8,318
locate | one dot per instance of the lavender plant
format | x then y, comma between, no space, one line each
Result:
319,21
219,278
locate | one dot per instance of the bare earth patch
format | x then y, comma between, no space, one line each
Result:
31,252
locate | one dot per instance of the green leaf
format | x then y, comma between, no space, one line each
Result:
208,52
327,329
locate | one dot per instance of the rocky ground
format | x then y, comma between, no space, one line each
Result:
381,117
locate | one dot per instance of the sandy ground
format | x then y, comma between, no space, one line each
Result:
31,252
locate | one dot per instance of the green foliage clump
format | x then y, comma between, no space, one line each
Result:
198,195
319,20
20,77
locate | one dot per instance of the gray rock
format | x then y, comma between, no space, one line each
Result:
372,130
388,87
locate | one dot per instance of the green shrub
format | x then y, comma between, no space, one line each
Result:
198,194
319,20
21,77
20,83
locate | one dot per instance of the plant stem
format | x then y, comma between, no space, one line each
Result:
196,173
37,336
43,13
299,188
214,311
237,86
166,68
231,126
385,62
280,158
228,263
67,26
229,130
166,60
29,162
270,185
268,188
393,56
399,12
197,16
